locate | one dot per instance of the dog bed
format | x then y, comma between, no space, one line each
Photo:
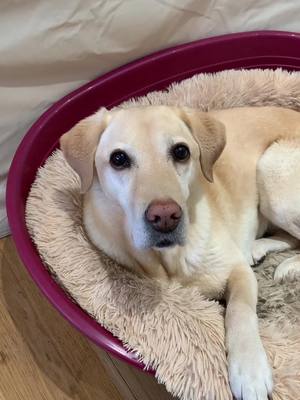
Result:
173,330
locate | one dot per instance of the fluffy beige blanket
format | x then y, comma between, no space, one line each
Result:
173,329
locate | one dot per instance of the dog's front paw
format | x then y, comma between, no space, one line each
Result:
288,270
259,250
250,376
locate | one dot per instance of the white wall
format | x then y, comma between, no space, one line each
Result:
48,48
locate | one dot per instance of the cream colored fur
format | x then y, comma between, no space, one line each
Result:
220,203
237,238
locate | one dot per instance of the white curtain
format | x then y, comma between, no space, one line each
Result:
48,48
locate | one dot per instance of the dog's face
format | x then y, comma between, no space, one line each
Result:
147,162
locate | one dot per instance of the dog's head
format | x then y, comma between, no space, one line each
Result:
147,161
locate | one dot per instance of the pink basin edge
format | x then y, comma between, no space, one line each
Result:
266,49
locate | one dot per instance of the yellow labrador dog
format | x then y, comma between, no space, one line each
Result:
175,193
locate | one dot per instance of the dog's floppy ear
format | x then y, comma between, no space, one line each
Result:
80,143
209,133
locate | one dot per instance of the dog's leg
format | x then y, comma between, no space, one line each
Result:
279,193
279,242
249,372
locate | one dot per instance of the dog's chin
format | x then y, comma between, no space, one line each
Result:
161,244
165,243
148,238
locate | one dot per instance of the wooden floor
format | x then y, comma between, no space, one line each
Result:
42,357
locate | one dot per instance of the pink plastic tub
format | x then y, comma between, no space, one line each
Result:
246,50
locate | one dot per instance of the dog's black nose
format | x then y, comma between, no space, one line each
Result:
163,215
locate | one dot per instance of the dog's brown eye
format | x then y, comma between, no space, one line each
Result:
180,152
119,160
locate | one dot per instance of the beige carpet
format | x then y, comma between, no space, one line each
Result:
172,329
